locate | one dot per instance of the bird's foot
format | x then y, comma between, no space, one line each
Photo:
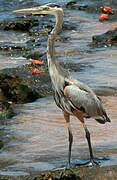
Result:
89,163
92,163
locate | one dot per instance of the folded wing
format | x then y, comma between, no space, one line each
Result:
87,102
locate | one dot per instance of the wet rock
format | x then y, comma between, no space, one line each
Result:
90,7
67,25
1,144
6,110
74,67
34,24
14,90
31,26
55,176
73,5
107,39
33,42
106,91
18,25
37,55
22,49
22,26
79,173
20,86
40,84
37,29
8,46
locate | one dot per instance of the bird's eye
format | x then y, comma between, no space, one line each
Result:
46,8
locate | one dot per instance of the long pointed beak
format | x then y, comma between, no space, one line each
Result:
35,10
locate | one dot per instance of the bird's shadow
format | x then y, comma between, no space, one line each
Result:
86,162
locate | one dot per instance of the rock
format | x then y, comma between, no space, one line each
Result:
1,144
36,55
18,85
90,7
37,30
18,25
107,39
15,91
73,5
79,173
6,111
67,25
8,46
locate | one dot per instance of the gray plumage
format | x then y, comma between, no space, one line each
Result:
72,96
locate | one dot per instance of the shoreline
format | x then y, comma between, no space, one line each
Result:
79,173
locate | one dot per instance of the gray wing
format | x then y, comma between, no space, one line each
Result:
86,101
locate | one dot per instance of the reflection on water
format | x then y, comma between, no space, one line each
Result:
36,138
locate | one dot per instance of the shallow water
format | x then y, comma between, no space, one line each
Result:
36,138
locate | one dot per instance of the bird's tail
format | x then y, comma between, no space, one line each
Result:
103,119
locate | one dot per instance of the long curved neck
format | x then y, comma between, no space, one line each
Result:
51,40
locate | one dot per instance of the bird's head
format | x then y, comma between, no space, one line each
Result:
108,10
45,9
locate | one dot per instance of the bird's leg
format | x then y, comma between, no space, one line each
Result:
67,118
92,162
79,115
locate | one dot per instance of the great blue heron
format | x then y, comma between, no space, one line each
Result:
71,95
